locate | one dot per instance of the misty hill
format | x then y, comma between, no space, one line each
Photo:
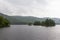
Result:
11,19
26,19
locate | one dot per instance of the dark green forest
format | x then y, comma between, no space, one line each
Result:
47,22
4,22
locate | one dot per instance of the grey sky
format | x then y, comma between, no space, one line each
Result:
38,8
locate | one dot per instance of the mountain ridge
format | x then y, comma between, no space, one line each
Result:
26,19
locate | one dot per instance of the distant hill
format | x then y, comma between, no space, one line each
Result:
26,19
11,19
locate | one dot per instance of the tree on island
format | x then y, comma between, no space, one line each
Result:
37,23
4,22
47,22
43,23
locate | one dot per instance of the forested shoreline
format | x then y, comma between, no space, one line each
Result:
4,22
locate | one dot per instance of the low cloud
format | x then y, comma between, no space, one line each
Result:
38,8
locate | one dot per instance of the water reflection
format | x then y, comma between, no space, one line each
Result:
25,32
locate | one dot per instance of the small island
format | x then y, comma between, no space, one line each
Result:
4,22
47,23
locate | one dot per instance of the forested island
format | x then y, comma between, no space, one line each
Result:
4,22
47,23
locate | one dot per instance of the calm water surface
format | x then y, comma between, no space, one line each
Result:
25,32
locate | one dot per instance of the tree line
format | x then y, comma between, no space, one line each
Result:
4,22
47,22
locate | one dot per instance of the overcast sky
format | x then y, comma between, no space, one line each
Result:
37,8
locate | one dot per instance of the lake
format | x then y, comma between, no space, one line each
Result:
25,32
